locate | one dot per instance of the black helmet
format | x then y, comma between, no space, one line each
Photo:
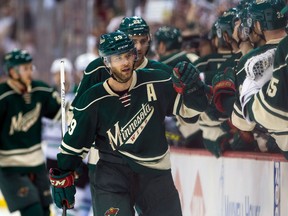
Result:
171,36
225,23
268,14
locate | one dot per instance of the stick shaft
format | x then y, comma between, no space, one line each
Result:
63,112
64,210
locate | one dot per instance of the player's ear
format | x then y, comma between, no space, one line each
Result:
106,62
13,73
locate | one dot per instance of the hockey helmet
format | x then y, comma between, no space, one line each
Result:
225,23
171,36
16,57
134,25
268,14
245,27
115,43
212,33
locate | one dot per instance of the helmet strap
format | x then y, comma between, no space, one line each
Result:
20,81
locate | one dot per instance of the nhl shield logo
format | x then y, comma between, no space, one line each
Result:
112,212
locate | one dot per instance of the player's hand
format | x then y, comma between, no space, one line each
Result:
244,141
219,146
223,87
63,188
186,78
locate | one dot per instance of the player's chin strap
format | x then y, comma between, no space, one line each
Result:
117,80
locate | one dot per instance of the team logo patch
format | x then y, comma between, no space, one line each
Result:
23,192
111,211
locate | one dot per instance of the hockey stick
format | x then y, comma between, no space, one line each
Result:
64,208
63,122
62,81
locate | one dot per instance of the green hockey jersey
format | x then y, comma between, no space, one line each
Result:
269,107
237,117
173,58
97,72
20,116
131,125
207,65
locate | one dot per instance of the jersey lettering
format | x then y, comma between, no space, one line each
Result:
151,95
72,127
114,138
129,133
23,122
272,88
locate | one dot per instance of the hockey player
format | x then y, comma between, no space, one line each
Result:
138,30
218,133
259,25
124,116
267,106
168,45
23,177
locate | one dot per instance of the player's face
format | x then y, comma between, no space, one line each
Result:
141,44
25,73
235,30
122,66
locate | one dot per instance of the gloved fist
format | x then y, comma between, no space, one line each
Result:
218,146
223,87
63,188
186,78
244,141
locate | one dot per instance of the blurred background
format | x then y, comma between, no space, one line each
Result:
51,29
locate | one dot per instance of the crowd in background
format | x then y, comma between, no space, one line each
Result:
51,29
236,48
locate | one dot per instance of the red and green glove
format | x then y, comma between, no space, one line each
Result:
63,188
186,78
224,89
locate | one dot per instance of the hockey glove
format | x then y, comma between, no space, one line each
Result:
223,89
219,146
63,188
244,141
186,78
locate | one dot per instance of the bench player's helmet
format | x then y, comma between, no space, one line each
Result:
225,23
16,57
170,36
246,23
134,25
212,33
268,14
